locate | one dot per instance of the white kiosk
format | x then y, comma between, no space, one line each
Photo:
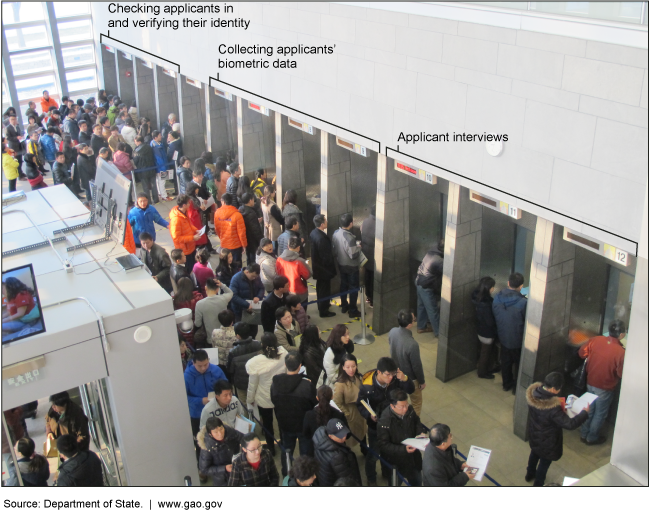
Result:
130,376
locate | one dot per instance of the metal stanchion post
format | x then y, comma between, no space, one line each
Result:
394,477
364,338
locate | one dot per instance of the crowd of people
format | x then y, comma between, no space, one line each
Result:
320,400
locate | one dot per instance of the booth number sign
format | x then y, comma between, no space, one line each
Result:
19,380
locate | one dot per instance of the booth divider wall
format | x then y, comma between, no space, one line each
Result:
108,67
146,92
167,96
223,125
126,78
193,122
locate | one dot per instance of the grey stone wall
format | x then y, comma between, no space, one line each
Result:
547,316
339,183
392,283
457,341
167,96
258,133
193,119
146,93
293,163
110,78
127,83
223,133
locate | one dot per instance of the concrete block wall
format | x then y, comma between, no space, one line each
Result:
259,140
222,132
293,164
167,96
575,109
127,83
193,119
110,76
339,183
146,95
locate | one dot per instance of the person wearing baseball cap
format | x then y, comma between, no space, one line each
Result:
335,459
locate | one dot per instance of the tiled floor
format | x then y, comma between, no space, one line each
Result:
478,411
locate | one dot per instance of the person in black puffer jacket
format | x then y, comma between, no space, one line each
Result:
429,287
486,327
335,460
218,443
312,350
254,231
320,415
34,468
397,423
239,354
79,468
60,173
86,167
184,174
546,419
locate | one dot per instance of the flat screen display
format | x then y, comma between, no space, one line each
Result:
22,315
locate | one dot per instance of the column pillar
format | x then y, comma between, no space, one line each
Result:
547,314
117,72
134,61
179,97
279,192
50,21
240,134
156,96
324,158
208,120
391,290
457,341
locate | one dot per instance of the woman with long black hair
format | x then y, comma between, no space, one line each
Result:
34,468
289,208
320,415
486,327
312,350
338,344
346,394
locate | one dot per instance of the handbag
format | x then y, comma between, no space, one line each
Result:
579,375
49,448
254,318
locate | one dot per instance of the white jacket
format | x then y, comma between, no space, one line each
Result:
266,262
129,135
330,368
261,371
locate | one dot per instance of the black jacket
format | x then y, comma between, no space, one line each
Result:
11,134
216,455
85,137
60,174
33,479
243,474
31,171
546,421
184,179
486,326
441,468
231,188
312,360
254,231
239,354
269,306
430,271
159,265
74,422
82,470
143,158
377,397
391,431
173,147
292,396
368,227
322,257
334,460
311,424
86,166
98,142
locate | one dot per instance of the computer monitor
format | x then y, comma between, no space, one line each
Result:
22,314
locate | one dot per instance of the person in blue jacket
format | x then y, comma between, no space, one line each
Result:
199,382
162,165
49,146
142,218
509,308
246,285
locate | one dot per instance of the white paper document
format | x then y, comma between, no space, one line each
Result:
417,442
244,425
478,459
207,202
569,481
255,306
202,231
579,404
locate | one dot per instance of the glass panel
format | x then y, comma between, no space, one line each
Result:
618,305
20,12
6,98
80,80
30,37
74,31
25,63
67,9
84,96
78,55
34,87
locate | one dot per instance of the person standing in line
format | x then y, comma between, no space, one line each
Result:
14,135
47,102
208,310
49,146
255,466
86,168
230,227
174,151
184,171
233,184
368,227
322,260
142,218
260,183
244,349
346,393
429,287
293,396
224,405
289,208
320,415
184,234
261,369
80,468
296,269
406,353
143,158
312,350
292,227
273,220
399,422
10,167
440,466
605,355
486,327
156,259
546,419
160,158
303,472
226,335
338,345
252,223
347,251
286,328
334,458
246,286
219,444
266,259
167,127
274,300
509,308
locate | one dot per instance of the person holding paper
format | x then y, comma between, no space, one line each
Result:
604,356
397,423
224,405
255,466
230,227
545,423
295,268
440,467
335,459
218,443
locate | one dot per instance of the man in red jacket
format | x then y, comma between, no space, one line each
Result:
604,356
294,268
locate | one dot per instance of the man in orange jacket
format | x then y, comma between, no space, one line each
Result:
47,102
183,232
230,228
